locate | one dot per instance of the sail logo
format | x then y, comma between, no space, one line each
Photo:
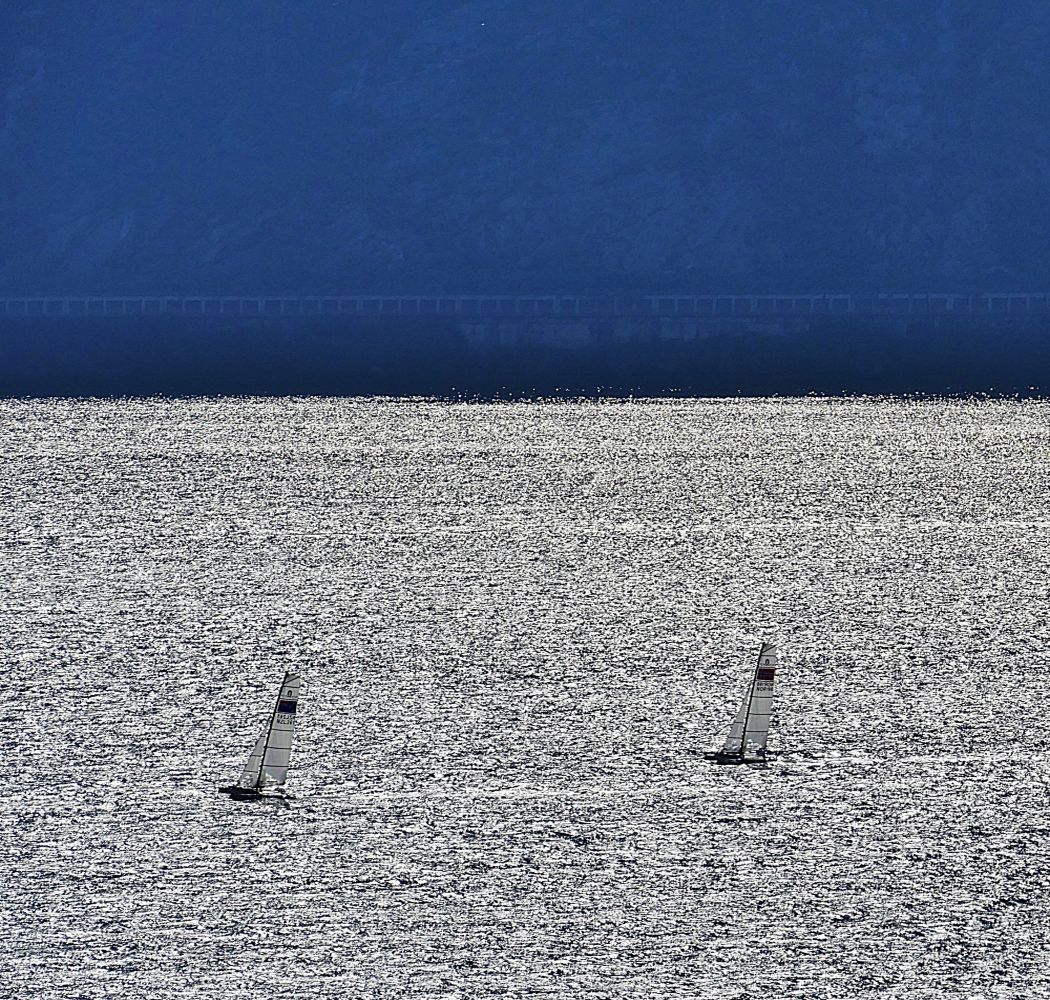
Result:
765,673
285,707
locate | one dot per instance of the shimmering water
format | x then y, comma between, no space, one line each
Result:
521,625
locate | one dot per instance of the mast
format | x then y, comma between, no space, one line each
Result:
269,732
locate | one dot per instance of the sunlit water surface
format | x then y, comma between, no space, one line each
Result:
522,625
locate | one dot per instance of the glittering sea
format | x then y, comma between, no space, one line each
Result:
522,625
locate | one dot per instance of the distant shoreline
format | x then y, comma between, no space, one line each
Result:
501,358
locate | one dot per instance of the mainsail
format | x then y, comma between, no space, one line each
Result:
267,764
750,728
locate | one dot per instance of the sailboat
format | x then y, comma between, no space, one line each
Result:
746,742
267,768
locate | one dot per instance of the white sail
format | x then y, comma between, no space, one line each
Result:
750,728
250,775
732,743
277,747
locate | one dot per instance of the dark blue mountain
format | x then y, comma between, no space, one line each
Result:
386,145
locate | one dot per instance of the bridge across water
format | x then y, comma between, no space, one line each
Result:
553,306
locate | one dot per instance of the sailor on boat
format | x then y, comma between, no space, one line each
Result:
746,743
266,770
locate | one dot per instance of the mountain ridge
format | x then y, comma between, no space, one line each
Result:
470,147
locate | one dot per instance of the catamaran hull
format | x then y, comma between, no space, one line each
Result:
241,794
733,758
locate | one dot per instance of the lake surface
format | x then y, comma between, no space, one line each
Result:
522,624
